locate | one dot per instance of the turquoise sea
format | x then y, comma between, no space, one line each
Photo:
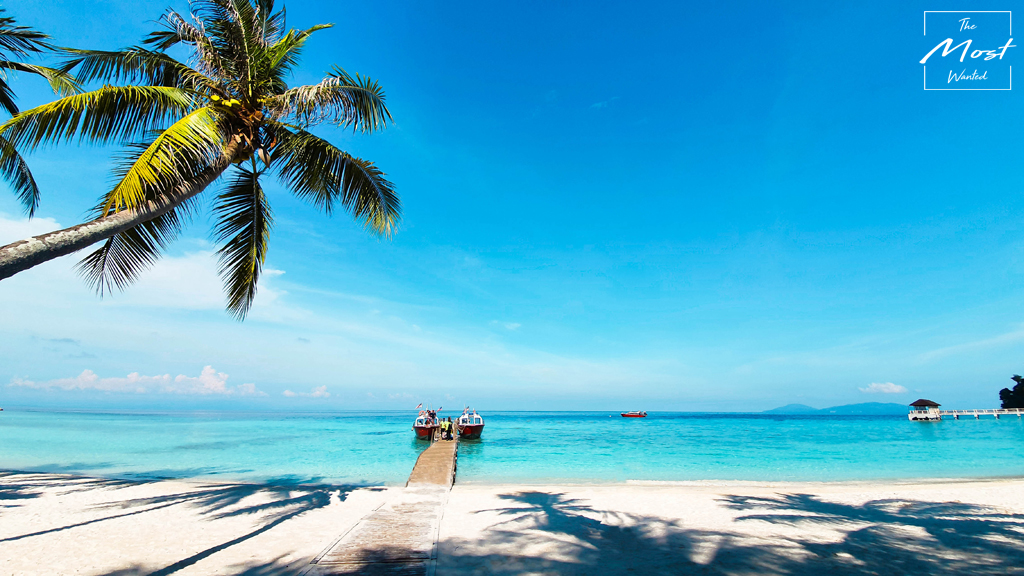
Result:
520,447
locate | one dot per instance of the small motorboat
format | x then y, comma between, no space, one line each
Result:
635,414
471,425
425,425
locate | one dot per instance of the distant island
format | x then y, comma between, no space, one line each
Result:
863,409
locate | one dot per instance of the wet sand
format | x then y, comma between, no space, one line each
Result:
58,524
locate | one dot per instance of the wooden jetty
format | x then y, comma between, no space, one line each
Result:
436,465
979,413
927,411
398,538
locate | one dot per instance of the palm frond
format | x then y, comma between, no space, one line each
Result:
120,260
20,40
339,98
323,175
7,97
244,221
208,58
15,171
110,114
136,65
62,83
283,55
180,152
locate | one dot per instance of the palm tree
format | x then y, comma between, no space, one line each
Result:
21,42
186,123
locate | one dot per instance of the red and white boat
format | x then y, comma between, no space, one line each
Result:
634,414
471,425
425,425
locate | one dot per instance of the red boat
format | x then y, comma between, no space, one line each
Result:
634,414
471,425
425,425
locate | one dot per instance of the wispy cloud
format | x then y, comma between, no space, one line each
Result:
603,103
209,382
507,325
318,392
884,388
993,342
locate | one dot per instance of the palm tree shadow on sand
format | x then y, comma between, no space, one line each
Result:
879,537
270,504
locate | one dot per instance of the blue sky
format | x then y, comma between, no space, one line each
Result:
727,206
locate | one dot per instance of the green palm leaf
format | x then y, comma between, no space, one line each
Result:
15,171
244,221
339,98
120,260
19,40
323,175
110,114
283,55
62,83
177,154
137,65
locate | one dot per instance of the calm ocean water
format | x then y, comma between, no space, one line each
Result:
527,447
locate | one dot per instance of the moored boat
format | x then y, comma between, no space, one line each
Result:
471,425
634,414
425,425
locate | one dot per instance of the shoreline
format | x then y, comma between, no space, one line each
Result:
71,524
573,482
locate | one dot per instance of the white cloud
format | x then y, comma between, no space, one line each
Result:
603,103
318,392
209,382
12,230
507,325
884,388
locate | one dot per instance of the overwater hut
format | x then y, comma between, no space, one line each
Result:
926,410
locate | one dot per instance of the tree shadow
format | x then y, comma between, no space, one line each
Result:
272,504
549,533
27,485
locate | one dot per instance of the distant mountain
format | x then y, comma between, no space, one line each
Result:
792,409
868,409
863,409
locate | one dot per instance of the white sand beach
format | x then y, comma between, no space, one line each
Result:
56,524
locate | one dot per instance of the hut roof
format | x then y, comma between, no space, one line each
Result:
922,403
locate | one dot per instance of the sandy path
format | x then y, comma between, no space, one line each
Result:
54,524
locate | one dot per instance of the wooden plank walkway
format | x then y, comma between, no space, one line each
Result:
978,413
399,538
436,465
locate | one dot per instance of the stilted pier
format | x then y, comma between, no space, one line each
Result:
979,413
927,411
399,538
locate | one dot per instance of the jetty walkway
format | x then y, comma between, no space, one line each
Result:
399,537
979,413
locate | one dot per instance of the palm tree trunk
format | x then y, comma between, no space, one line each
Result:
24,254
